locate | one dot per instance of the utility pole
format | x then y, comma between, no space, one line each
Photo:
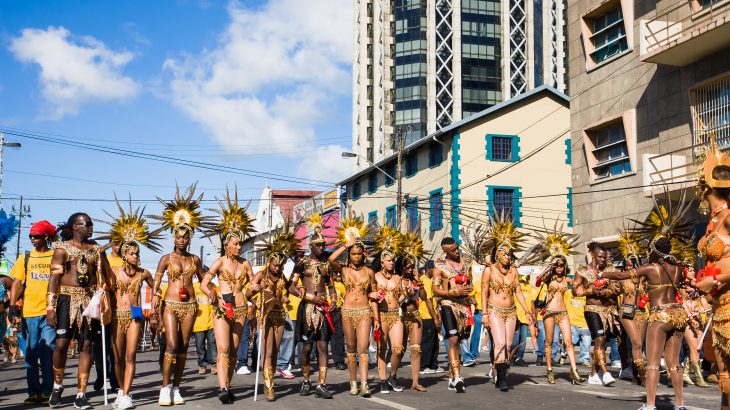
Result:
399,174
20,226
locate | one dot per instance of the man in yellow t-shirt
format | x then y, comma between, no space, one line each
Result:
579,328
337,344
431,322
40,338
470,347
203,331
522,331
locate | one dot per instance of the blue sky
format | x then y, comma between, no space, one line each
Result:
261,85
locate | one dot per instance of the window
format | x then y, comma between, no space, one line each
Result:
611,152
435,154
356,191
411,164
503,147
608,31
390,217
372,182
412,213
710,107
505,201
435,204
390,170
373,217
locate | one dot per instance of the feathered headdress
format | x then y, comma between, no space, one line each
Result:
233,220
131,226
666,222
282,246
182,214
474,242
314,224
502,234
388,241
714,158
554,242
352,228
630,244
412,247
8,229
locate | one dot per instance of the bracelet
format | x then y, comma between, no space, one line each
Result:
716,283
158,294
57,270
51,301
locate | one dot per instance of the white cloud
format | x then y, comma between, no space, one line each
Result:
74,70
273,74
326,164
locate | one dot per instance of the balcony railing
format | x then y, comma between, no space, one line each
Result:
687,32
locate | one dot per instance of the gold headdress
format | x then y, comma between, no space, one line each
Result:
714,159
500,233
130,227
666,222
182,214
233,220
388,241
283,245
554,242
630,245
352,228
412,247
314,224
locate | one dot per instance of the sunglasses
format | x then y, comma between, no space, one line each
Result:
86,224
36,236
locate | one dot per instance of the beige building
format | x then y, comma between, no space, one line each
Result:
512,157
648,81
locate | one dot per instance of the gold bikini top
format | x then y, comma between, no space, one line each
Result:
556,287
227,276
132,287
628,288
711,246
351,285
499,287
175,273
394,292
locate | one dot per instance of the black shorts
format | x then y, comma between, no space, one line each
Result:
89,330
305,334
451,325
595,326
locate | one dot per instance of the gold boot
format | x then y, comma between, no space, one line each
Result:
696,370
550,376
364,390
353,389
269,384
685,374
640,366
575,376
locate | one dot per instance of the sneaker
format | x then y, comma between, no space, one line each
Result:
616,364
519,362
306,388
44,398
126,403
243,370
626,374
594,379
393,384
55,399
470,363
384,389
81,402
202,370
427,371
322,392
372,349
439,370
176,397
165,397
285,373
452,385
213,370
340,366
607,379
540,361
459,385
584,364
115,404
387,366
32,399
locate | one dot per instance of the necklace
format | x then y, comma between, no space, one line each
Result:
387,275
456,267
719,209
502,270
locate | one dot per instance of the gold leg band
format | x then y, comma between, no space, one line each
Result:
168,363
351,359
305,371
322,375
83,380
269,383
455,367
416,350
58,375
397,349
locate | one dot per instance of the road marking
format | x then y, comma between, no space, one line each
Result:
391,404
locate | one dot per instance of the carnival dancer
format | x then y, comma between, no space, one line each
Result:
452,284
359,309
634,300
182,216
129,230
696,307
600,309
556,246
405,264
714,193
78,267
271,286
667,234
500,287
390,296
313,321
233,225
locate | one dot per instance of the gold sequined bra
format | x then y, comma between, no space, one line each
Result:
175,273
231,278
351,285
499,287
132,287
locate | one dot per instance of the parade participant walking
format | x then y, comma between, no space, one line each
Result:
600,309
182,216
270,284
500,287
232,226
314,322
452,284
34,269
431,322
667,234
359,310
697,308
129,230
78,267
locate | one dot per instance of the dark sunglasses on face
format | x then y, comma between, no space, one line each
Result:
36,236
88,224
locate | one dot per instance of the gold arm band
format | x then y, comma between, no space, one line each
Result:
57,270
51,301
308,297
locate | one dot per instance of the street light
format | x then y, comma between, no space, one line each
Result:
4,145
346,154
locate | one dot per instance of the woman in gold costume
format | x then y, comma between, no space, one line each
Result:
359,310
129,229
696,307
667,234
270,284
182,217
233,226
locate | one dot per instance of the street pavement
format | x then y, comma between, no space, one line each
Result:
530,390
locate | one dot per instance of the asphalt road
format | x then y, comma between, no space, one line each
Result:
530,390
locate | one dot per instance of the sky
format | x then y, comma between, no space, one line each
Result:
249,85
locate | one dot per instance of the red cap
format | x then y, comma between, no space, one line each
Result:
43,228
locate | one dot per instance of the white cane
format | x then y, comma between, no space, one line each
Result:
258,360
103,365
702,339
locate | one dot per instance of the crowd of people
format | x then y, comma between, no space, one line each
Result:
375,292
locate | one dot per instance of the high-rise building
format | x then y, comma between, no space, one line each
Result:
421,65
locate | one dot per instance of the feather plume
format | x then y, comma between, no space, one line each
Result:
232,219
131,226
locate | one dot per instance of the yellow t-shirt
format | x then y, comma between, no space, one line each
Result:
204,316
575,307
114,261
36,281
527,292
293,305
428,288
341,292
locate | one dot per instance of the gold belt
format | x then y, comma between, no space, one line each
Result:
557,315
80,298
721,325
504,313
389,317
608,315
355,315
672,314
182,309
123,318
